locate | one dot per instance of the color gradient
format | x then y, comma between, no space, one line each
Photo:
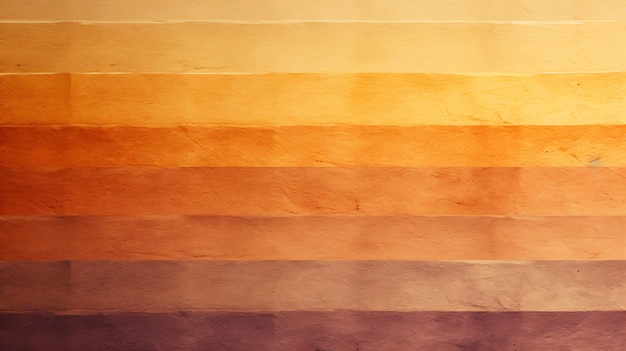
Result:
312,175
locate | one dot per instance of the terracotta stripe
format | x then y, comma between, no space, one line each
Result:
141,286
312,238
320,10
304,99
312,47
314,146
314,191
337,330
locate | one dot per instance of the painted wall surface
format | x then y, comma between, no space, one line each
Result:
312,175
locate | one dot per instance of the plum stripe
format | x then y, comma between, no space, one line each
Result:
337,330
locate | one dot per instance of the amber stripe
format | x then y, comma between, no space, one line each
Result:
313,99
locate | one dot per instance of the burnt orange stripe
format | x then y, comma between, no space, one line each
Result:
314,146
313,99
311,191
312,238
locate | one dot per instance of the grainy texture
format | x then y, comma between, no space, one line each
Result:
314,146
314,191
35,286
312,47
35,98
142,286
314,99
310,331
320,10
312,238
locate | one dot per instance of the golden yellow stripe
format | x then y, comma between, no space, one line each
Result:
301,99
312,47
533,10
314,146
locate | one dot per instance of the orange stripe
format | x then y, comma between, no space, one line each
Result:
314,146
310,191
312,238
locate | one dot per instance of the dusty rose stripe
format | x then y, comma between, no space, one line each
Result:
311,238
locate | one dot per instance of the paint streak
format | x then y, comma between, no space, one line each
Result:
163,286
312,238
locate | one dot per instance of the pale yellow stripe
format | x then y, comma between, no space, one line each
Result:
312,47
532,10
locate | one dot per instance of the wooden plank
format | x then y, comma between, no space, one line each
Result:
321,10
163,286
314,146
314,191
312,238
302,99
328,330
312,47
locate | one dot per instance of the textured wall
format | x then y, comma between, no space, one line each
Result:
312,175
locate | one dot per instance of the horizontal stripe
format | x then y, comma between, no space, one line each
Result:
314,191
312,238
312,47
140,286
338,330
301,99
314,10
314,146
